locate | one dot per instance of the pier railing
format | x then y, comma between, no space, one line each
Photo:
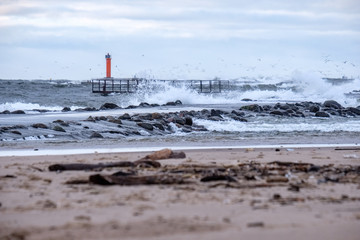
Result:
131,85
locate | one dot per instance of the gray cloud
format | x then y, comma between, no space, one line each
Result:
231,29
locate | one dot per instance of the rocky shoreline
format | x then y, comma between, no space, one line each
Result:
155,123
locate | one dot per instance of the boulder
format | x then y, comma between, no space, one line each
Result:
170,104
109,106
237,113
332,104
144,104
188,121
5,112
147,126
159,126
96,135
18,112
59,129
66,109
314,108
322,114
39,125
277,112
156,115
125,116
354,110
16,132
237,118
252,107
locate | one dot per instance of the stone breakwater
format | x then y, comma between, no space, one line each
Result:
157,124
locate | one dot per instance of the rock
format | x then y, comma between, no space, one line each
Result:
109,106
16,132
236,118
156,115
144,104
179,120
96,135
87,109
66,109
354,110
314,108
59,129
237,113
145,116
284,107
61,122
188,121
125,116
90,119
277,112
131,107
39,125
159,126
41,110
170,104
322,114
332,104
116,121
101,118
253,108
147,126
246,100
5,112
18,112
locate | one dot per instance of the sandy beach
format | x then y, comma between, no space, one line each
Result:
298,193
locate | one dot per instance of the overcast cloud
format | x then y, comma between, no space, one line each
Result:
178,39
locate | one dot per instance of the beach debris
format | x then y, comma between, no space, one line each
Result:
136,180
165,154
292,175
84,166
255,224
216,177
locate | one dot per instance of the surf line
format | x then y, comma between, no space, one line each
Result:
40,152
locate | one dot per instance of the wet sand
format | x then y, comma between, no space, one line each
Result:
38,204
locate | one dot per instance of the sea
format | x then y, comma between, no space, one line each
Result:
45,99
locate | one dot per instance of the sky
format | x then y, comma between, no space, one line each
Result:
178,39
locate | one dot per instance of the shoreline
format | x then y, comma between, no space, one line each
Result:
278,202
79,151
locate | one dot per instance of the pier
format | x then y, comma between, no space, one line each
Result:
132,85
110,84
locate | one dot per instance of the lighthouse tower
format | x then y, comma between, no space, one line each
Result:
108,65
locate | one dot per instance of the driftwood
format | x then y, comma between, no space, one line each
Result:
216,177
135,180
99,166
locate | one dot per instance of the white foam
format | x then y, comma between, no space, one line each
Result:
301,86
279,126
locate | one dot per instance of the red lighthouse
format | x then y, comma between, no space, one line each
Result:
108,65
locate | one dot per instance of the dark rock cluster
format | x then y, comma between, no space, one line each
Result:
304,109
156,123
